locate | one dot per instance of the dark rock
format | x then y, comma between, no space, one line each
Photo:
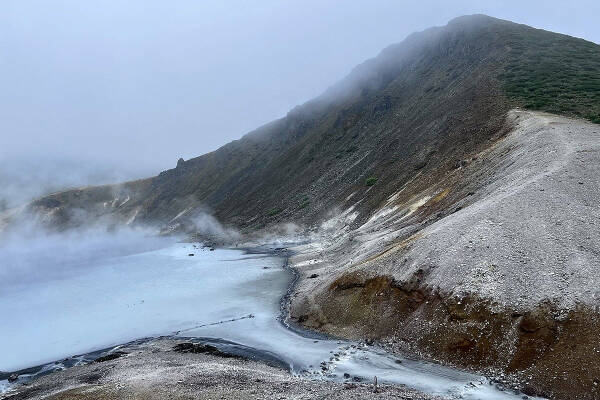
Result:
13,378
47,202
420,165
90,378
346,375
460,164
302,318
111,356
314,276
201,348
191,254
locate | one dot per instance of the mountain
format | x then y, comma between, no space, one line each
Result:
423,105
445,218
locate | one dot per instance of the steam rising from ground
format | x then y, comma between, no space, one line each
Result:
33,250
23,179
206,224
32,254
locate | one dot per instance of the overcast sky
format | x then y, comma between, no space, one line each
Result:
133,85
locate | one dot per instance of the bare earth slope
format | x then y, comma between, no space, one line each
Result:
507,280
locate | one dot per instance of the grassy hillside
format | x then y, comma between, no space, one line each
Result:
554,73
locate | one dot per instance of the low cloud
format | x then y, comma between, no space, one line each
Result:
31,252
206,224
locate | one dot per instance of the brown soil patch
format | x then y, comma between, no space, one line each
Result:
554,355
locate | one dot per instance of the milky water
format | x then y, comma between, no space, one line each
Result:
225,294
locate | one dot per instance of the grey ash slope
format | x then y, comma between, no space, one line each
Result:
422,105
506,280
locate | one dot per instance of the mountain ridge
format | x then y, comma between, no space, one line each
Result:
389,102
304,132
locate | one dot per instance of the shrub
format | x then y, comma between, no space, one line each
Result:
371,181
305,202
553,73
275,210
594,118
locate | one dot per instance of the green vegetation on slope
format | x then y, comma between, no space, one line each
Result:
554,73
275,211
371,181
